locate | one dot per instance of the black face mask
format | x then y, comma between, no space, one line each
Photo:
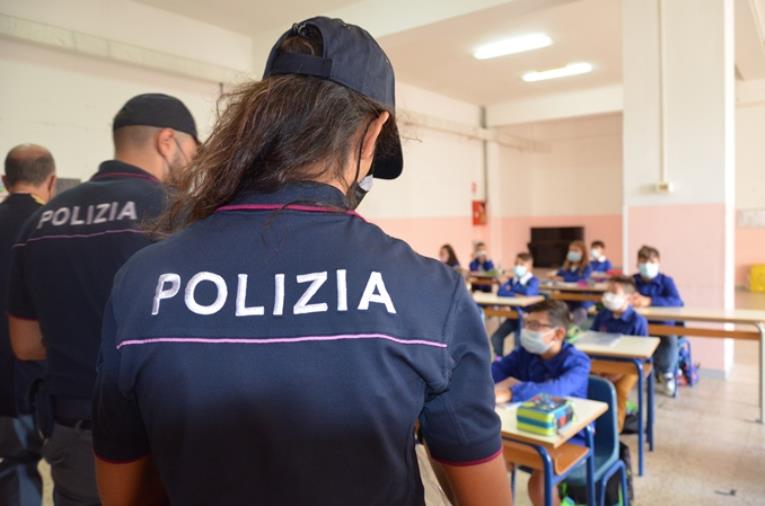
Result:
359,189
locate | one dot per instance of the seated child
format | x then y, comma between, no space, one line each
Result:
545,363
576,268
481,264
657,289
618,317
448,257
599,264
523,282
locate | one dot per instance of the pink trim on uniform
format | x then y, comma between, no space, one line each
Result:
470,462
126,461
277,340
125,174
291,207
79,236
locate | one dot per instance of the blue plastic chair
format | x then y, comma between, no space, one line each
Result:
607,462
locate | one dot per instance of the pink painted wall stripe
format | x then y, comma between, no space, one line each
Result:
277,340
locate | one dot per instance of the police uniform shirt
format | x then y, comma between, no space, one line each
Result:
63,266
15,376
628,323
282,355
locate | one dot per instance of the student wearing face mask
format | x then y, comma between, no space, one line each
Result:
481,263
545,364
576,268
523,282
599,264
619,317
62,269
655,288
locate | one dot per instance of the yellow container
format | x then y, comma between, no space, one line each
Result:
757,278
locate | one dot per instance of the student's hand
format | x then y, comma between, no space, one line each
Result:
556,278
640,300
502,394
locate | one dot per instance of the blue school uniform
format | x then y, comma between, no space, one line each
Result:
598,266
566,374
479,267
629,323
663,293
527,285
248,354
574,276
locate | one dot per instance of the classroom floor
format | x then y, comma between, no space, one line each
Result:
709,450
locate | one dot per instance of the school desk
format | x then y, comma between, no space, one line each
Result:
626,355
506,307
553,455
574,292
752,319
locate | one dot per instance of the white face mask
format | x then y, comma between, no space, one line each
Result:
649,270
520,270
533,341
598,255
614,301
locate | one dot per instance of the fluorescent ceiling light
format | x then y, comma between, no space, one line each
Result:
513,45
572,69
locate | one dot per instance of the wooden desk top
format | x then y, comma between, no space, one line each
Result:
573,287
491,299
703,315
585,412
626,347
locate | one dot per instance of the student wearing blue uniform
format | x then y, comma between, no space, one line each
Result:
599,263
62,270
522,283
481,263
545,363
30,178
576,268
655,288
619,317
277,348
448,257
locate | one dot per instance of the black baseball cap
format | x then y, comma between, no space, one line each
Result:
351,58
156,110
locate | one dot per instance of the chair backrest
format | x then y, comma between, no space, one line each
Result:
606,427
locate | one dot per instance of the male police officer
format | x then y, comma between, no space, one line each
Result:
62,270
30,177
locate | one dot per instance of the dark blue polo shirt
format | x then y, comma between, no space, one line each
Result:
519,286
598,266
15,376
574,276
662,290
272,355
64,264
629,323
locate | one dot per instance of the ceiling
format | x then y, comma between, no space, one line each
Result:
248,16
439,56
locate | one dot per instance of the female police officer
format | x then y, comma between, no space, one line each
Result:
277,349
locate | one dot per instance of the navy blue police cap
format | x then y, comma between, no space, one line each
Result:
351,58
156,110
